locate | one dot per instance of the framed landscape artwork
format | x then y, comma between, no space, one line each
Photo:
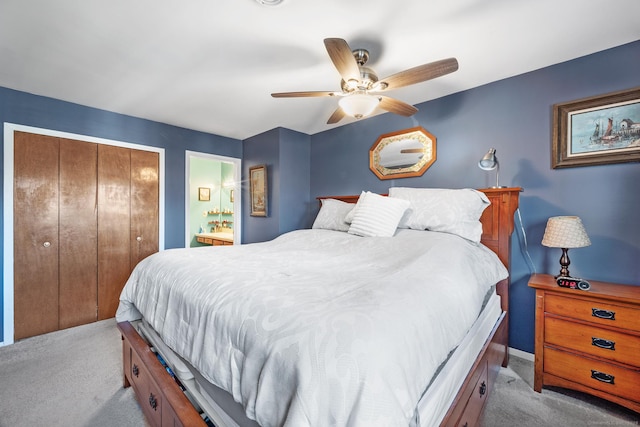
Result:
598,130
258,190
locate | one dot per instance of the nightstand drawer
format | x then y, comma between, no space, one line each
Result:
608,344
592,373
599,312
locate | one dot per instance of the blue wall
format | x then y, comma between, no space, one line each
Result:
37,111
295,180
287,155
514,116
263,149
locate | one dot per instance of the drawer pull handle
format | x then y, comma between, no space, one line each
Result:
153,402
602,377
603,314
482,389
135,370
602,343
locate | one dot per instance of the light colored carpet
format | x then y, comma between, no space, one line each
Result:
67,378
73,378
514,403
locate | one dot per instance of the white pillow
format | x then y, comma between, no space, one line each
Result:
376,215
332,215
450,211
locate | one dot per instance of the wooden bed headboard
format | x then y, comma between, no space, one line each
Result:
497,219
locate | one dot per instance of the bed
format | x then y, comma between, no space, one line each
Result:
342,328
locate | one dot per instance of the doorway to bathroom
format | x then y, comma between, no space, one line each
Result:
213,204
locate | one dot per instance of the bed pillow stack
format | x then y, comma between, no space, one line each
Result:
376,215
332,215
449,211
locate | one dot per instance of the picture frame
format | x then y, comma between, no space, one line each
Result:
258,190
402,154
204,194
598,130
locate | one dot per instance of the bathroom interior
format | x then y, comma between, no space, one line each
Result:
211,202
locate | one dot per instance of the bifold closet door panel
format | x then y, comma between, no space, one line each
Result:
35,230
144,205
114,225
78,233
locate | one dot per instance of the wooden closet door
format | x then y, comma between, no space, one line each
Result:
78,240
144,205
114,225
35,225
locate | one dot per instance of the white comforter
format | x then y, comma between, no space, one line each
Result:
317,327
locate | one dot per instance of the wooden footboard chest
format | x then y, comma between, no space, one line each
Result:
159,395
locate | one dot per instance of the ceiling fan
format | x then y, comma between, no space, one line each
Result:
361,86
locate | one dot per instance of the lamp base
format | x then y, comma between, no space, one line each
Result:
564,263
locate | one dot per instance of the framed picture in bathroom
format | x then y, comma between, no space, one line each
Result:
258,190
204,194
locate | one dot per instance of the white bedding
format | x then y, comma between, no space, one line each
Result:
317,327
442,391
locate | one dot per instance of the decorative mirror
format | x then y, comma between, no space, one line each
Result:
402,154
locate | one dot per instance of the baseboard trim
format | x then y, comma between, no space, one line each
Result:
521,354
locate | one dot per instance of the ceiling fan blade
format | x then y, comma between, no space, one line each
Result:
302,94
336,116
397,107
420,73
343,59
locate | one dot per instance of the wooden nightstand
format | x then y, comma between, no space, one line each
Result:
588,340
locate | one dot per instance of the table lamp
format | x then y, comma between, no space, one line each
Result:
565,232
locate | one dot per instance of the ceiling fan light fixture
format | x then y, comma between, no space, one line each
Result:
351,85
360,85
359,105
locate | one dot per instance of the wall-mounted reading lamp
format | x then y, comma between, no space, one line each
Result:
490,162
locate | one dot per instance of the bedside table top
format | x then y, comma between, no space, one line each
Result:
605,290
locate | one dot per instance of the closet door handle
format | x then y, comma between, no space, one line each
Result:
139,238
46,244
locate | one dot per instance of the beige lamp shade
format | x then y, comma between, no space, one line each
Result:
565,232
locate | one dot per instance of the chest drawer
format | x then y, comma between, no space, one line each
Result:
474,405
605,343
598,375
150,398
599,312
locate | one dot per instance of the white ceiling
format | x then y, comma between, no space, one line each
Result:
211,65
